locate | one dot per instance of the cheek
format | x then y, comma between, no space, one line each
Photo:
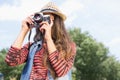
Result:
52,18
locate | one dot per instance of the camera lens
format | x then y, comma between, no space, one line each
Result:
38,18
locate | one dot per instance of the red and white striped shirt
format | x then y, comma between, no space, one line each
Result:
39,71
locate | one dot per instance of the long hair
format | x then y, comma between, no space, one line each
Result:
60,38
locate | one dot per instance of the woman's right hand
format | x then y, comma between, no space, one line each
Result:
24,30
26,23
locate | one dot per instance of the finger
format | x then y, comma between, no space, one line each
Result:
30,20
42,28
44,22
31,16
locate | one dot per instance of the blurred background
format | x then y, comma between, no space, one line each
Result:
93,24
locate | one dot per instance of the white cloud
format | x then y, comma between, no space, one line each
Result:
71,6
71,9
27,7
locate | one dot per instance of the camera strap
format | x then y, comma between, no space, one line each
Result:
29,35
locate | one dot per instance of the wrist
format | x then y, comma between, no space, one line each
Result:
20,38
23,33
49,38
24,30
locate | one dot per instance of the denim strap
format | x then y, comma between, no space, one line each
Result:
28,66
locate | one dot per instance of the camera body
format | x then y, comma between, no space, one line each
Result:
39,17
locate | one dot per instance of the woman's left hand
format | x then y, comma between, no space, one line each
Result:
46,28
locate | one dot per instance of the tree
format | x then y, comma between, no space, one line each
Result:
8,71
90,56
111,69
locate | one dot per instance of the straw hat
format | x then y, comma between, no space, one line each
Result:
52,8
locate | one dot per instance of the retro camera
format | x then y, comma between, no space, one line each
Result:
39,17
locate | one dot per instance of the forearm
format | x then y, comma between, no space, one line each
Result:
51,46
60,65
18,42
16,56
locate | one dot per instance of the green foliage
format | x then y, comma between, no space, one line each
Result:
8,71
91,58
111,69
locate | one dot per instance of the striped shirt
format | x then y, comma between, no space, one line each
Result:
61,66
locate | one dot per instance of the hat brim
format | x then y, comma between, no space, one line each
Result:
55,12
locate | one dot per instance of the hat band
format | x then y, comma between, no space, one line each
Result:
48,9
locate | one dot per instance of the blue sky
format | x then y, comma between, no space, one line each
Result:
101,18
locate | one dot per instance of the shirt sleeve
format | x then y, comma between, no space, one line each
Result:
16,56
62,66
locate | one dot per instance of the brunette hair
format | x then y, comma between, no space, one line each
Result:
60,38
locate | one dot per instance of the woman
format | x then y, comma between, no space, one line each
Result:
56,56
